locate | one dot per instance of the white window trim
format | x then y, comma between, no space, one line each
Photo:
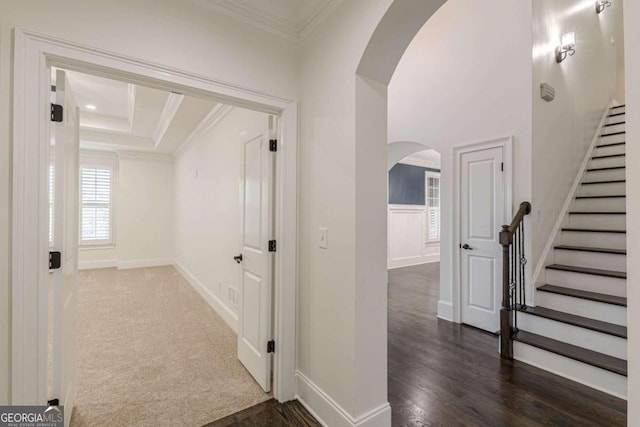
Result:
99,159
427,175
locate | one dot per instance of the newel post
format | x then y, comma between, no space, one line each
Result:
506,318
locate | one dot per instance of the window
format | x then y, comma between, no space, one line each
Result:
96,200
433,206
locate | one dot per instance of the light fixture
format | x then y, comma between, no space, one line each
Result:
601,4
567,47
90,107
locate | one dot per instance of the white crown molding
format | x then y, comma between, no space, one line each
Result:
270,23
213,118
166,117
114,141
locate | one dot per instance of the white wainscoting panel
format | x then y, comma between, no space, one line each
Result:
407,237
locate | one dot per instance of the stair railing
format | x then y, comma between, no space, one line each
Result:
512,239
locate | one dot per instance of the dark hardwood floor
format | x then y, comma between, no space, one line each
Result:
271,414
444,374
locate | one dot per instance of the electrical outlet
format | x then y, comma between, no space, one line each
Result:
233,296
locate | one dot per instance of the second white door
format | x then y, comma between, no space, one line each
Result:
256,260
482,213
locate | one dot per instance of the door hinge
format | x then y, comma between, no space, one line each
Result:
56,112
54,260
273,145
272,245
271,346
501,167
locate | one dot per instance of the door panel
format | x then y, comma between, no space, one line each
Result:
482,197
256,265
65,238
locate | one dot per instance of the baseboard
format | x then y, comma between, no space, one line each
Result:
329,413
216,303
92,265
445,310
408,262
145,263
546,252
124,265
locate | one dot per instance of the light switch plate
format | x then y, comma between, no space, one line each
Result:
324,238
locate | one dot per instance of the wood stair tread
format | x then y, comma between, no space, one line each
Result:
616,114
588,295
585,270
618,106
608,156
613,133
614,181
606,169
590,357
607,196
582,322
610,145
596,213
615,124
591,249
592,230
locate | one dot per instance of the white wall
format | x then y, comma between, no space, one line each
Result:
407,232
208,215
144,211
175,33
584,84
632,56
465,78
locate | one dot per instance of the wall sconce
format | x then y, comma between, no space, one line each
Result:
601,4
567,47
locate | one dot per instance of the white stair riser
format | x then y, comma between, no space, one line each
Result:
598,222
613,204
607,151
615,119
617,110
602,189
614,128
604,175
582,307
607,162
608,138
598,260
583,373
608,240
587,282
575,335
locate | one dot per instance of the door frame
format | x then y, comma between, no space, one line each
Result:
506,143
34,53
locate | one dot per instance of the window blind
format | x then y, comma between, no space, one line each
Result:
96,204
433,209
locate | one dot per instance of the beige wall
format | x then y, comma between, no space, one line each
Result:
632,56
584,84
144,215
208,215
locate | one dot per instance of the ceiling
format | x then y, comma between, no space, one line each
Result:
289,18
426,158
119,116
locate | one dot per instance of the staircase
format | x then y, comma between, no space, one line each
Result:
578,328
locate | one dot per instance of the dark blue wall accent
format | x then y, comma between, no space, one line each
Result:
406,184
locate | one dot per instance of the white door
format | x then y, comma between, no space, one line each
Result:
65,241
256,261
482,213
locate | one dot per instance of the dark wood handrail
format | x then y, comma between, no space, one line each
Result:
523,210
509,297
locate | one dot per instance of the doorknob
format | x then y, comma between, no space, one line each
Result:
466,247
238,258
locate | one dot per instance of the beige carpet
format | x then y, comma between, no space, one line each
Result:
151,352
